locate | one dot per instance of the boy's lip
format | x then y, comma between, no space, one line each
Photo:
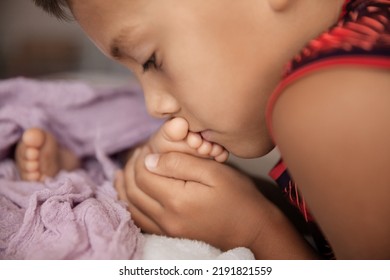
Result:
210,136
207,135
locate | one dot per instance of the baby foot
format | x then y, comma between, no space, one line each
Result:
175,136
38,155
204,147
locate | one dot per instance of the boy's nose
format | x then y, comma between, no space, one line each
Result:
161,104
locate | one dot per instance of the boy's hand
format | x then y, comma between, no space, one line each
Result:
181,195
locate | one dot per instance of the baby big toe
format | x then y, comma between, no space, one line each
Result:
175,129
34,138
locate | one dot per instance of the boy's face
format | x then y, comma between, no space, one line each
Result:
205,61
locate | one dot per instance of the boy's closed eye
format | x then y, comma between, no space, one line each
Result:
151,63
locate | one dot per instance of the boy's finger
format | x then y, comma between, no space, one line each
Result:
145,223
183,167
150,206
160,188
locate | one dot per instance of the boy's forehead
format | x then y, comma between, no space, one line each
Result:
106,22
102,5
83,8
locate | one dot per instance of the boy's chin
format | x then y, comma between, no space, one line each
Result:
250,152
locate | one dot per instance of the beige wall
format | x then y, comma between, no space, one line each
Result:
22,25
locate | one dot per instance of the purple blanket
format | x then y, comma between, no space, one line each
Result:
75,215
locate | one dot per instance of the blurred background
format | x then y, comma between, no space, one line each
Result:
34,44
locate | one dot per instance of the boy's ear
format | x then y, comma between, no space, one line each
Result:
280,5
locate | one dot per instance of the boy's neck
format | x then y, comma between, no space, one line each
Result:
320,15
310,18
300,22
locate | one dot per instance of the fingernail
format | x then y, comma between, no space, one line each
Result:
151,161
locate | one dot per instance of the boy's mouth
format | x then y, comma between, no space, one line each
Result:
207,135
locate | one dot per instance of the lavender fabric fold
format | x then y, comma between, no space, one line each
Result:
75,215
80,116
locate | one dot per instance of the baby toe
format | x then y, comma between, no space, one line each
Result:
176,129
194,140
33,137
216,150
205,148
222,157
31,166
31,154
32,176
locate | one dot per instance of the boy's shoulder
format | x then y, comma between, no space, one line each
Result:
360,39
330,117
333,97
332,128
361,36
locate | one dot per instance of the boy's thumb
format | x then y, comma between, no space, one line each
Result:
181,166
151,161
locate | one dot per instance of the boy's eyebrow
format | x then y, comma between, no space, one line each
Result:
115,49
121,45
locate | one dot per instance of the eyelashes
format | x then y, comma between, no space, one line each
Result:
151,63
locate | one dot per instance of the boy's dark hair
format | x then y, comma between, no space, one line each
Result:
57,8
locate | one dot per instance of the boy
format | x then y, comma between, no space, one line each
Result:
217,64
